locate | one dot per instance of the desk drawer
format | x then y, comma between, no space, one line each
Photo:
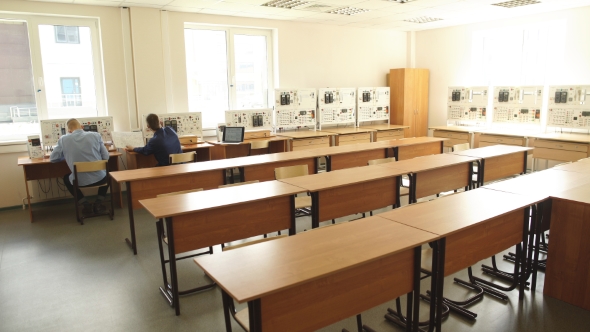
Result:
452,134
353,138
310,143
505,140
388,135
539,143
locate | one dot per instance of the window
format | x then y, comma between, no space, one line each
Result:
227,68
69,35
70,91
41,74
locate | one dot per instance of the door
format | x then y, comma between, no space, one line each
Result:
420,100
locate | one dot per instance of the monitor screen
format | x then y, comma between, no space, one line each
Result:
233,134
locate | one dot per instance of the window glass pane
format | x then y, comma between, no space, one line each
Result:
60,34
251,71
206,67
74,62
18,108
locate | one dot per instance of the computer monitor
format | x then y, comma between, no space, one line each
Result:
233,135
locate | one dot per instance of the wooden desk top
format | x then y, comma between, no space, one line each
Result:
418,140
577,138
328,180
493,151
427,163
384,126
580,194
463,129
450,214
304,134
580,167
176,205
28,161
347,130
547,183
258,270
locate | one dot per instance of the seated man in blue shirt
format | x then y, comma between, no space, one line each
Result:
77,146
164,143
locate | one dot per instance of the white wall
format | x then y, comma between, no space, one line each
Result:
447,53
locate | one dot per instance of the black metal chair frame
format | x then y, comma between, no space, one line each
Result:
80,217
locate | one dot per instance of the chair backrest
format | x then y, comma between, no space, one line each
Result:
255,145
90,166
461,147
180,192
237,150
187,157
381,161
237,184
245,244
291,171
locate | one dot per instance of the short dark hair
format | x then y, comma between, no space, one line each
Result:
153,121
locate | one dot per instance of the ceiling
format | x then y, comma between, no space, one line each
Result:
381,14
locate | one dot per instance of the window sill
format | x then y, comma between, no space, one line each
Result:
13,147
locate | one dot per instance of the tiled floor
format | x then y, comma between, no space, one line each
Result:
56,275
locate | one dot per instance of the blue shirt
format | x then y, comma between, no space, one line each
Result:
81,146
164,143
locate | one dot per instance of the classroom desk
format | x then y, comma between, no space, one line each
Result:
207,218
568,262
341,193
470,229
561,147
137,160
498,161
497,136
385,132
350,135
456,134
437,173
545,182
39,169
408,148
307,139
341,271
277,144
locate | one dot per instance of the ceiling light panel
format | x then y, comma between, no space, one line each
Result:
423,19
348,11
287,4
516,3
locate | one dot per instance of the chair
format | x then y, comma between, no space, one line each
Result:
460,147
236,151
242,316
237,184
260,145
86,167
163,239
180,158
302,204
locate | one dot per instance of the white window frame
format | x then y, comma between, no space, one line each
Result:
230,32
33,22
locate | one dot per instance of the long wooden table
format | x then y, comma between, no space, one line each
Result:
39,169
307,139
276,144
498,161
408,148
340,193
469,229
457,134
561,147
203,219
434,174
137,160
385,132
313,279
349,135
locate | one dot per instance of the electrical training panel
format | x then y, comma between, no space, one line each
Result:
52,130
182,123
295,108
259,119
372,104
567,107
336,106
518,104
34,147
467,103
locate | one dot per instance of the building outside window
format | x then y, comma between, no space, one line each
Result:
70,91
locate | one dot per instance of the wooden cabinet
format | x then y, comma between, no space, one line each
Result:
409,100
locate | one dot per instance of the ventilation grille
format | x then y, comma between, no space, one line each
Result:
423,19
348,11
516,3
289,4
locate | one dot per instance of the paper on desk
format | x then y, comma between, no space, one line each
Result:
121,139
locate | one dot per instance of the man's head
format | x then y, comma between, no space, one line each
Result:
72,125
153,122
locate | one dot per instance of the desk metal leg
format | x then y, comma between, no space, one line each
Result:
413,182
328,164
481,168
398,183
315,209
440,277
396,153
525,162
172,258
131,243
415,319
227,300
255,315
28,195
293,229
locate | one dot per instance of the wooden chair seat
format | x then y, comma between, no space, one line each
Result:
179,158
302,202
460,147
403,191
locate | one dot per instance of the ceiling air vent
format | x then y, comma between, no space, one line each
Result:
348,11
288,4
516,3
423,19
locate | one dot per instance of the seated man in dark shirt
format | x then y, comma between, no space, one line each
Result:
164,143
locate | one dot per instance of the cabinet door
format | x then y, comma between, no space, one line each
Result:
420,101
409,97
